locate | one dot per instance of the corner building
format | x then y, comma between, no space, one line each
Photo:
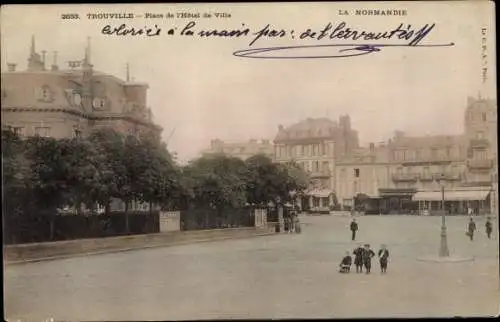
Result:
63,103
316,144
409,174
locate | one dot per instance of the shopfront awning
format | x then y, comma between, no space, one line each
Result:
458,195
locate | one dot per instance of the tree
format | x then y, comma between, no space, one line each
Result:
82,171
157,178
270,182
16,176
218,181
47,181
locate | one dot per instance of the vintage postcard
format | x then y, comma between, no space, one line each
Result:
258,160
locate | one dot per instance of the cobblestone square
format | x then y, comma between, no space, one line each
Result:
279,276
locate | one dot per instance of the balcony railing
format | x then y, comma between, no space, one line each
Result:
479,143
405,177
449,176
426,177
480,164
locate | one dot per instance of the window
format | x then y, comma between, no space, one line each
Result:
42,131
316,202
434,153
315,166
356,173
483,115
479,154
19,130
326,202
326,167
77,133
418,154
44,94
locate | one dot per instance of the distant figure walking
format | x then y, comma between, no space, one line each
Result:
345,264
489,227
383,255
354,229
367,258
471,228
286,225
358,258
298,229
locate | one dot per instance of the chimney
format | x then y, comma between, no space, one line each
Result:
11,67
44,52
280,127
54,66
372,147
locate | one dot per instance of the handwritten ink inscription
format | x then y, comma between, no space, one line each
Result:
332,41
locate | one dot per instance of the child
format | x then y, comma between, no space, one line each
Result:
383,255
345,264
367,258
358,258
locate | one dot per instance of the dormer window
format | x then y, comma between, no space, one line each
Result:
98,103
45,94
77,133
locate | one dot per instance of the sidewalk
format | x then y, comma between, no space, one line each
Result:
36,252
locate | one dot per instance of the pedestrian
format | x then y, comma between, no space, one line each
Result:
367,258
298,229
358,258
354,229
287,225
345,264
383,255
471,228
489,227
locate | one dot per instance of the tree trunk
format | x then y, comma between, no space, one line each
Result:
150,208
127,229
107,207
52,227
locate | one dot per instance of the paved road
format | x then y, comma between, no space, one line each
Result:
280,276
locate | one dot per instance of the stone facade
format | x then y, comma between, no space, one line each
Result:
316,144
65,103
426,163
73,102
241,150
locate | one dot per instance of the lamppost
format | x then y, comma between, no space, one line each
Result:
443,248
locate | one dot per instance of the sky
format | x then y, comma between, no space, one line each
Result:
198,90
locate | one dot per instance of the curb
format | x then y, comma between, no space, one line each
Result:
122,250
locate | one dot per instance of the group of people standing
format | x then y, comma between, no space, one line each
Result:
363,259
291,224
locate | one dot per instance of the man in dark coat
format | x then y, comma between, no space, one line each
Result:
367,258
489,227
383,255
358,258
471,228
354,228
